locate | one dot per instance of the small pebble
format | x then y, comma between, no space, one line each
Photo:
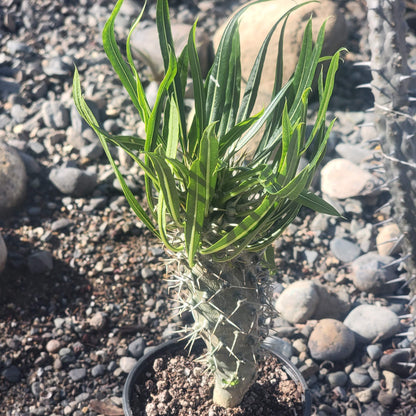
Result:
77,374
127,364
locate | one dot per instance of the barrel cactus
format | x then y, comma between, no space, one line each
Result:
395,119
216,212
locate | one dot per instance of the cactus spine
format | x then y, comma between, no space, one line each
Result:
395,121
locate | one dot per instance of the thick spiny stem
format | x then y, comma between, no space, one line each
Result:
395,116
226,308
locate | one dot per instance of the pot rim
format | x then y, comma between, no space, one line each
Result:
179,343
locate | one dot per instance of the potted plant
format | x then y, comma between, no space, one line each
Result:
216,211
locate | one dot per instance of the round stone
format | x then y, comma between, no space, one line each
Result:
127,364
98,320
12,179
337,184
369,322
359,379
344,250
98,370
386,240
298,302
338,378
137,347
374,351
73,181
331,340
12,374
40,262
77,374
53,346
369,274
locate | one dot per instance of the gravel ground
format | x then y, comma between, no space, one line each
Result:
84,290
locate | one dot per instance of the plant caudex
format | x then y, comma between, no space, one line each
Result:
217,211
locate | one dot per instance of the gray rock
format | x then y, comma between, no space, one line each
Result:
336,184
391,362
56,67
8,86
61,224
73,181
40,262
298,302
136,348
369,274
359,379
92,151
12,179
3,253
127,364
55,115
12,374
374,351
77,374
331,340
344,250
338,378
369,322
354,153
98,370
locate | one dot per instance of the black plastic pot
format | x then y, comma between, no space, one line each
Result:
146,362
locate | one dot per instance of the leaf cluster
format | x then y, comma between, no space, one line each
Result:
204,198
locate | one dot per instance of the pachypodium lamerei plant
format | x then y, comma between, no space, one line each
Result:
215,211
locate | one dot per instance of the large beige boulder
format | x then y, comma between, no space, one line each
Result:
259,19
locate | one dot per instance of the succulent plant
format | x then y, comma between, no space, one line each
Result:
216,211
395,121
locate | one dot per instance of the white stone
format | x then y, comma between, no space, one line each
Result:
341,179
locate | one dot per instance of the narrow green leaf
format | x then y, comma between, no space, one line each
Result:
195,211
312,201
199,91
247,225
144,110
114,55
88,116
167,187
173,130
161,220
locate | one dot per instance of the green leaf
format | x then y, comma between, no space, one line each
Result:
312,201
173,131
246,228
199,91
202,180
114,55
144,109
195,211
88,116
167,187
